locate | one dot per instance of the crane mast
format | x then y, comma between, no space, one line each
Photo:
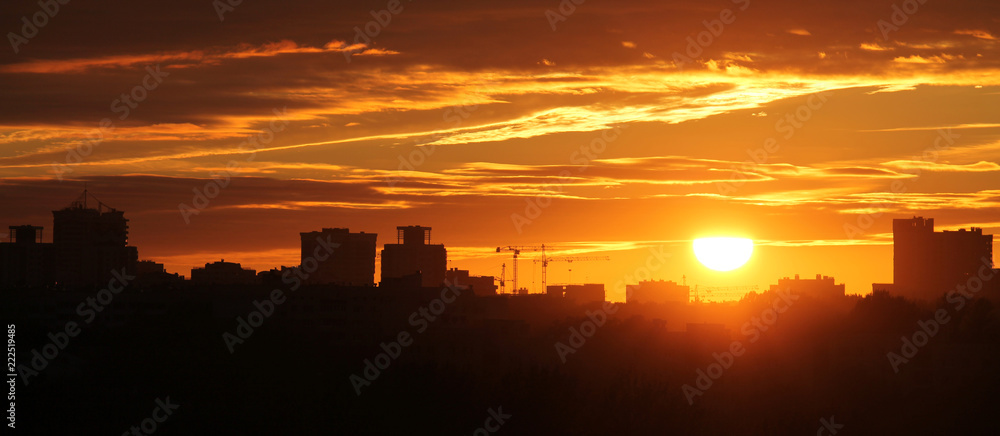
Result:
516,250
545,264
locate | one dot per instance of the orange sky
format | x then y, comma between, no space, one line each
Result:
457,115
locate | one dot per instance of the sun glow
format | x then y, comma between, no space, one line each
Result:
723,254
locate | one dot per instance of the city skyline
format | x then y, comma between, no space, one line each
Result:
608,128
926,262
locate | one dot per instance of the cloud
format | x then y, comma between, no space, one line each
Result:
894,88
977,167
186,59
874,46
942,127
822,243
916,59
981,34
864,172
301,205
927,203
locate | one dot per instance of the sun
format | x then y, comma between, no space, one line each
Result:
723,254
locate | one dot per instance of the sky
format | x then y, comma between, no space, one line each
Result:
617,129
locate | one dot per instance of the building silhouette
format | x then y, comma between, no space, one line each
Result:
480,285
579,294
342,257
414,253
144,267
91,244
658,291
26,260
273,278
927,264
223,273
820,287
148,272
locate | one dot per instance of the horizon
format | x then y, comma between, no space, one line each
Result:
614,290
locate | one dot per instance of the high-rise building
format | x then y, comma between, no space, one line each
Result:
342,258
25,260
927,264
412,253
91,245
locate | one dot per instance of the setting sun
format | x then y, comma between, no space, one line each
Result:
723,254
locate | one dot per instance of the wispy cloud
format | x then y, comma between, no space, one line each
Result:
977,167
185,59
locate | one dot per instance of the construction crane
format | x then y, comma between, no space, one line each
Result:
545,264
517,249
503,278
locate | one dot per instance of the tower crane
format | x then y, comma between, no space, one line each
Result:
517,249
545,263
503,278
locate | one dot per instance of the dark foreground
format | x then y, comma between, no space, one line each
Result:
770,364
